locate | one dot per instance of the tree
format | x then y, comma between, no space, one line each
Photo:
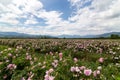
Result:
114,36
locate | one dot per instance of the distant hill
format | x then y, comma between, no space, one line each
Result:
76,36
69,36
13,35
89,36
108,34
23,35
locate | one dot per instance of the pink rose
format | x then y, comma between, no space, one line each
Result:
75,60
11,66
60,56
101,60
87,72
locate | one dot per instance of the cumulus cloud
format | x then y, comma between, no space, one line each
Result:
88,17
98,17
51,17
31,20
9,18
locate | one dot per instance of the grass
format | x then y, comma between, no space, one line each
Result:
34,64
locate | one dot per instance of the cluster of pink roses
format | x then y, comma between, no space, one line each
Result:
48,75
85,71
11,66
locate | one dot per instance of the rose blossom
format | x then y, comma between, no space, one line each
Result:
87,72
101,60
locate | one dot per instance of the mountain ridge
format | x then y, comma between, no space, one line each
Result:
90,36
23,35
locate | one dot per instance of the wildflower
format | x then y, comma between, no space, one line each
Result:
35,59
51,78
82,67
28,57
16,49
11,66
95,73
98,71
14,57
51,53
10,55
72,69
75,69
9,48
51,70
16,54
27,54
55,63
75,60
47,77
101,60
60,56
43,66
99,67
7,60
39,64
100,50
5,50
87,72
116,57
44,62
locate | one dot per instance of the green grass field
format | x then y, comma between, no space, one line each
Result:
59,59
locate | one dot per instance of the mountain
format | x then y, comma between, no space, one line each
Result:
109,34
89,36
13,35
23,35
69,36
76,36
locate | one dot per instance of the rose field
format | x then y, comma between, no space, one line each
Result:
59,59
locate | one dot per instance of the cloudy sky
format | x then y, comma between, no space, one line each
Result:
57,17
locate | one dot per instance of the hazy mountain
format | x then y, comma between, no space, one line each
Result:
23,35
13,35
69,36
76,36
89,36
108,34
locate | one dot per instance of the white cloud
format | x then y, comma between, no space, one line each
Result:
101,5
99,17
51,17
9,18
95,18
5,2
31,20
28,5
8,29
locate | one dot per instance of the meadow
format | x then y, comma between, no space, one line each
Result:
59,59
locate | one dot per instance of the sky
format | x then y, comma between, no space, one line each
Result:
60,17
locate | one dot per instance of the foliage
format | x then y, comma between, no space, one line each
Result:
59,59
